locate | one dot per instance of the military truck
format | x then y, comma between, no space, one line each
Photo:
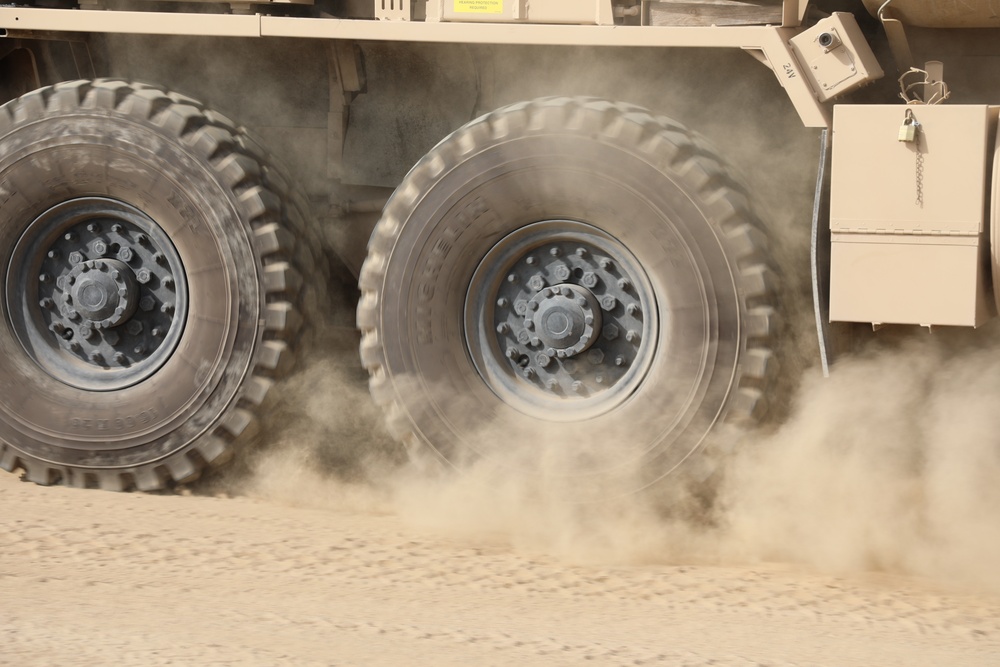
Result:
537,253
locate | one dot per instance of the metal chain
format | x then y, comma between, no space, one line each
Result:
920,174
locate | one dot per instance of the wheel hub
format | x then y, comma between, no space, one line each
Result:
570,311
103,293
566,319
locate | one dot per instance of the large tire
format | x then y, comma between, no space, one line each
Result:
631,251
150,295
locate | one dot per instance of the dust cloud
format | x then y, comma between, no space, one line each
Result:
890,465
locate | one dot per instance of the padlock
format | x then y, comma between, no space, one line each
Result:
908,130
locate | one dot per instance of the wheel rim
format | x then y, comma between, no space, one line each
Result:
98,294
561,321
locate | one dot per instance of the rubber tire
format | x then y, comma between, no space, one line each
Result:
647,181
226,206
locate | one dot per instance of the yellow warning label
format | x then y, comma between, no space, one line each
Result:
479,6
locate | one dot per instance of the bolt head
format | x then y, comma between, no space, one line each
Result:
140,349
86,332
632,309
529,324
156,332
552,384
44,278
133,327
75,346
523,337
530,261
543,359
120,358
142,239
100,247
503,328
619,360
561,272
146,303
511,353
599,379
624,283
125,254
75,257
589,279
536,282
52,254
521,307
503,302
167,308
529,372
96,357
116,228
111,337
608,302
511,278
581,252
595,356
605,264
72,314
610,331
631,336
555,252
47,303
93,228
577,386
70,236
159,258
142,275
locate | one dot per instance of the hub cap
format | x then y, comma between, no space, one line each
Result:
561,320
102,293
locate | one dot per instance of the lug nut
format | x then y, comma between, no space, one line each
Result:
624,283
93,228
511,353
529,373
133,327
543,359
47,303
146,303
530,261
577,386
512,278
52,254
536,282
632,309
610,331
75,257
139,349
552,384
100,247
74,346
589,279
142,275
521,307
595,356
96,357
561,272
555,252
142,239
503,302
619,360
581,252
599,379
159,258
44,278
156,332
529,324
608,302
167,308
56,328
72,314
86,332
523,337
605,264
631,336
70,236
116,228
120,359
503,328
111,337
125,254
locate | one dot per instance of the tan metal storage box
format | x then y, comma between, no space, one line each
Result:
909,242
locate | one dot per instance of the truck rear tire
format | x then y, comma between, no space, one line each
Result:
570,272
149,285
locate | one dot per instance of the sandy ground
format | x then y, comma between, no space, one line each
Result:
94,578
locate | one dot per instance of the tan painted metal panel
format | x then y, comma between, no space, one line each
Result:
140,23
876,176
908,218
